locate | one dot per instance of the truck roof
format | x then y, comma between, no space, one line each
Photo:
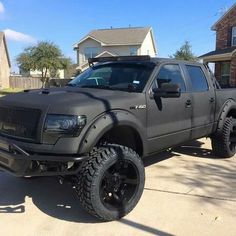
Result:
161,60
146,59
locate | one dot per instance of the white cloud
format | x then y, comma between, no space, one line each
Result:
18,36
2,9
222,11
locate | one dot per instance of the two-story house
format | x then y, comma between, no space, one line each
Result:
5,64
115,42
224,56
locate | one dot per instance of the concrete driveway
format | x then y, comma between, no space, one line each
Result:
187,192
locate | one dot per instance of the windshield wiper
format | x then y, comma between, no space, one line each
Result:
96,86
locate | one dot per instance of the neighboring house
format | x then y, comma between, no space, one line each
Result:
224,56
115,42
60,74
5,64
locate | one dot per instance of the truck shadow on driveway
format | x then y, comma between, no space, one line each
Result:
50,197
47,194
194,148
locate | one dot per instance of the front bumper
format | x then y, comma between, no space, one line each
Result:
18,162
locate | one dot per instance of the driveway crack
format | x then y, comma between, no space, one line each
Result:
191,195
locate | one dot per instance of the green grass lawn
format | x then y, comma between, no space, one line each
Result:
9,91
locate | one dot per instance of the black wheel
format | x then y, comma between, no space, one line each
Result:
111,182
224,141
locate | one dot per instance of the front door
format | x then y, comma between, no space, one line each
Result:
168,119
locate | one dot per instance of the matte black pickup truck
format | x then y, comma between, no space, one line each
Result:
95,131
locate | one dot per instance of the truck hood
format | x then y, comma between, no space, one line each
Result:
69,100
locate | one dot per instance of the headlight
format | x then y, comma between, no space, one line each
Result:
64,124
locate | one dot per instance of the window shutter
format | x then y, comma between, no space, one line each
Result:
229,44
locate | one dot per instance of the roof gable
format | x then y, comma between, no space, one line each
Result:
106,53
223,17
87,37
118,36
3,40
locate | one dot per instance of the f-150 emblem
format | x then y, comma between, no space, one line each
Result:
138,107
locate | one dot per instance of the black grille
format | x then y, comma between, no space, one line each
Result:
4,160
19,122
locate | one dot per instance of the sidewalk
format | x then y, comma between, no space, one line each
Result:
186,193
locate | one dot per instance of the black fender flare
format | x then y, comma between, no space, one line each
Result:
227,107
107,121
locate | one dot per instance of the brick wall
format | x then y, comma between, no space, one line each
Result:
224,30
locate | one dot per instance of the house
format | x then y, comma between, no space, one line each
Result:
115,42
5,63
224,56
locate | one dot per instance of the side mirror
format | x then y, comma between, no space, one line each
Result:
167,91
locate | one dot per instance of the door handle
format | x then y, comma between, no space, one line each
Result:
212,100
188,103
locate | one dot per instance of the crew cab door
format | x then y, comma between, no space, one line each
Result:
168,119
202,100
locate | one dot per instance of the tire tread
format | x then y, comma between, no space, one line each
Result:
220,142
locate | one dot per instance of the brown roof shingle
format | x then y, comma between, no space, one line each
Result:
219,52
120,36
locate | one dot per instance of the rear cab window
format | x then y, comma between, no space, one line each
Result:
197,78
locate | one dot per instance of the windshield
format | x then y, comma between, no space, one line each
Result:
116,76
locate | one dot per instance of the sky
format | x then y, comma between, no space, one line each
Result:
65,22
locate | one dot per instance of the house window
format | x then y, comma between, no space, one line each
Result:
234,36
133,51
225,74
90,52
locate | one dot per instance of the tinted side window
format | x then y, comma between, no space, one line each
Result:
198,78
170,74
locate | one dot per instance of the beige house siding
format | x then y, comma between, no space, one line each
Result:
105,54
37,73
120,50
4,66
114,50
82,46
147,47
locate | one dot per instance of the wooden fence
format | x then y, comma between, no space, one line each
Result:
35,83
25,82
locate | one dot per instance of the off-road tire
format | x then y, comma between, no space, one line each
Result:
92,172
220,141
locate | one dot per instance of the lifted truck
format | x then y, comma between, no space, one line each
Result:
96,130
